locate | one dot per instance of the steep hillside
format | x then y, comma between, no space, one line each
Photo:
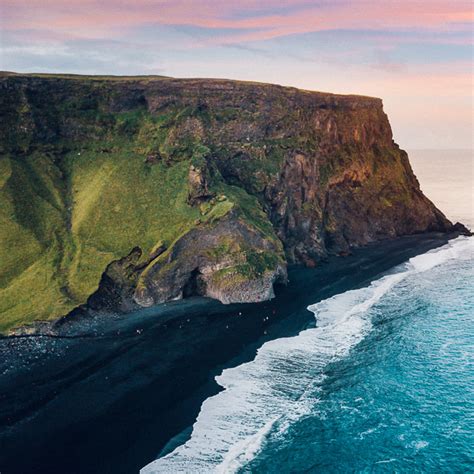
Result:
141,190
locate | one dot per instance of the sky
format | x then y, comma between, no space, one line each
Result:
417,55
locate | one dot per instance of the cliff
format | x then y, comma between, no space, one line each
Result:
129,192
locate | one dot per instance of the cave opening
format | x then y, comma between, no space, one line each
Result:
194,285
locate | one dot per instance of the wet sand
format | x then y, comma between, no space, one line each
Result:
106,395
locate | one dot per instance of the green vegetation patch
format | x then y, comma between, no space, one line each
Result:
253,265
59,233
73,202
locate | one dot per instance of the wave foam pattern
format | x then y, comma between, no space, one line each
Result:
279,385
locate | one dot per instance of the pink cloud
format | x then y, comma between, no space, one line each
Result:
252,20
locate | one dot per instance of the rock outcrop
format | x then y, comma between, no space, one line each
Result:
136,191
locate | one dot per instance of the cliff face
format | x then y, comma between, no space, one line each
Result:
141,190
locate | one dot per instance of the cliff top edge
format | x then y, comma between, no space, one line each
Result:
218,83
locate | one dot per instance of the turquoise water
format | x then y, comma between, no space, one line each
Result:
383,383
403,400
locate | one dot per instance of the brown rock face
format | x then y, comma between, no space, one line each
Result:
198,184
213,262
256,176
324,167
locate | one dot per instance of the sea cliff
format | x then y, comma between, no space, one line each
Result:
123,192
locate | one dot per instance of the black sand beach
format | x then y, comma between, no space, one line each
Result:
107,396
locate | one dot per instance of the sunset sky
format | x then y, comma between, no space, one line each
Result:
415,54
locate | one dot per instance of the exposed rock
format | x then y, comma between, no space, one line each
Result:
118,283
461,229
157,250
246,178
153,158
231,262
198,184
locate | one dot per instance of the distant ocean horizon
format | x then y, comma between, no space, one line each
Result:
447,178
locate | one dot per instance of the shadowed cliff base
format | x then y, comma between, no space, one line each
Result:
108,393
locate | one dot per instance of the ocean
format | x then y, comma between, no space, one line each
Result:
383,381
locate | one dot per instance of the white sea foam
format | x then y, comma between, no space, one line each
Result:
460,248
280,384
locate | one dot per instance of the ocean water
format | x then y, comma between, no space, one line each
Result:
384,382
447,178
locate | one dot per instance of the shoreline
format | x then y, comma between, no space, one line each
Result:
84,321
117,392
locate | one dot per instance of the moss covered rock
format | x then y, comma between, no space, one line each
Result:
135,191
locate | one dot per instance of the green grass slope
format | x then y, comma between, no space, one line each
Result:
65,215
62,224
